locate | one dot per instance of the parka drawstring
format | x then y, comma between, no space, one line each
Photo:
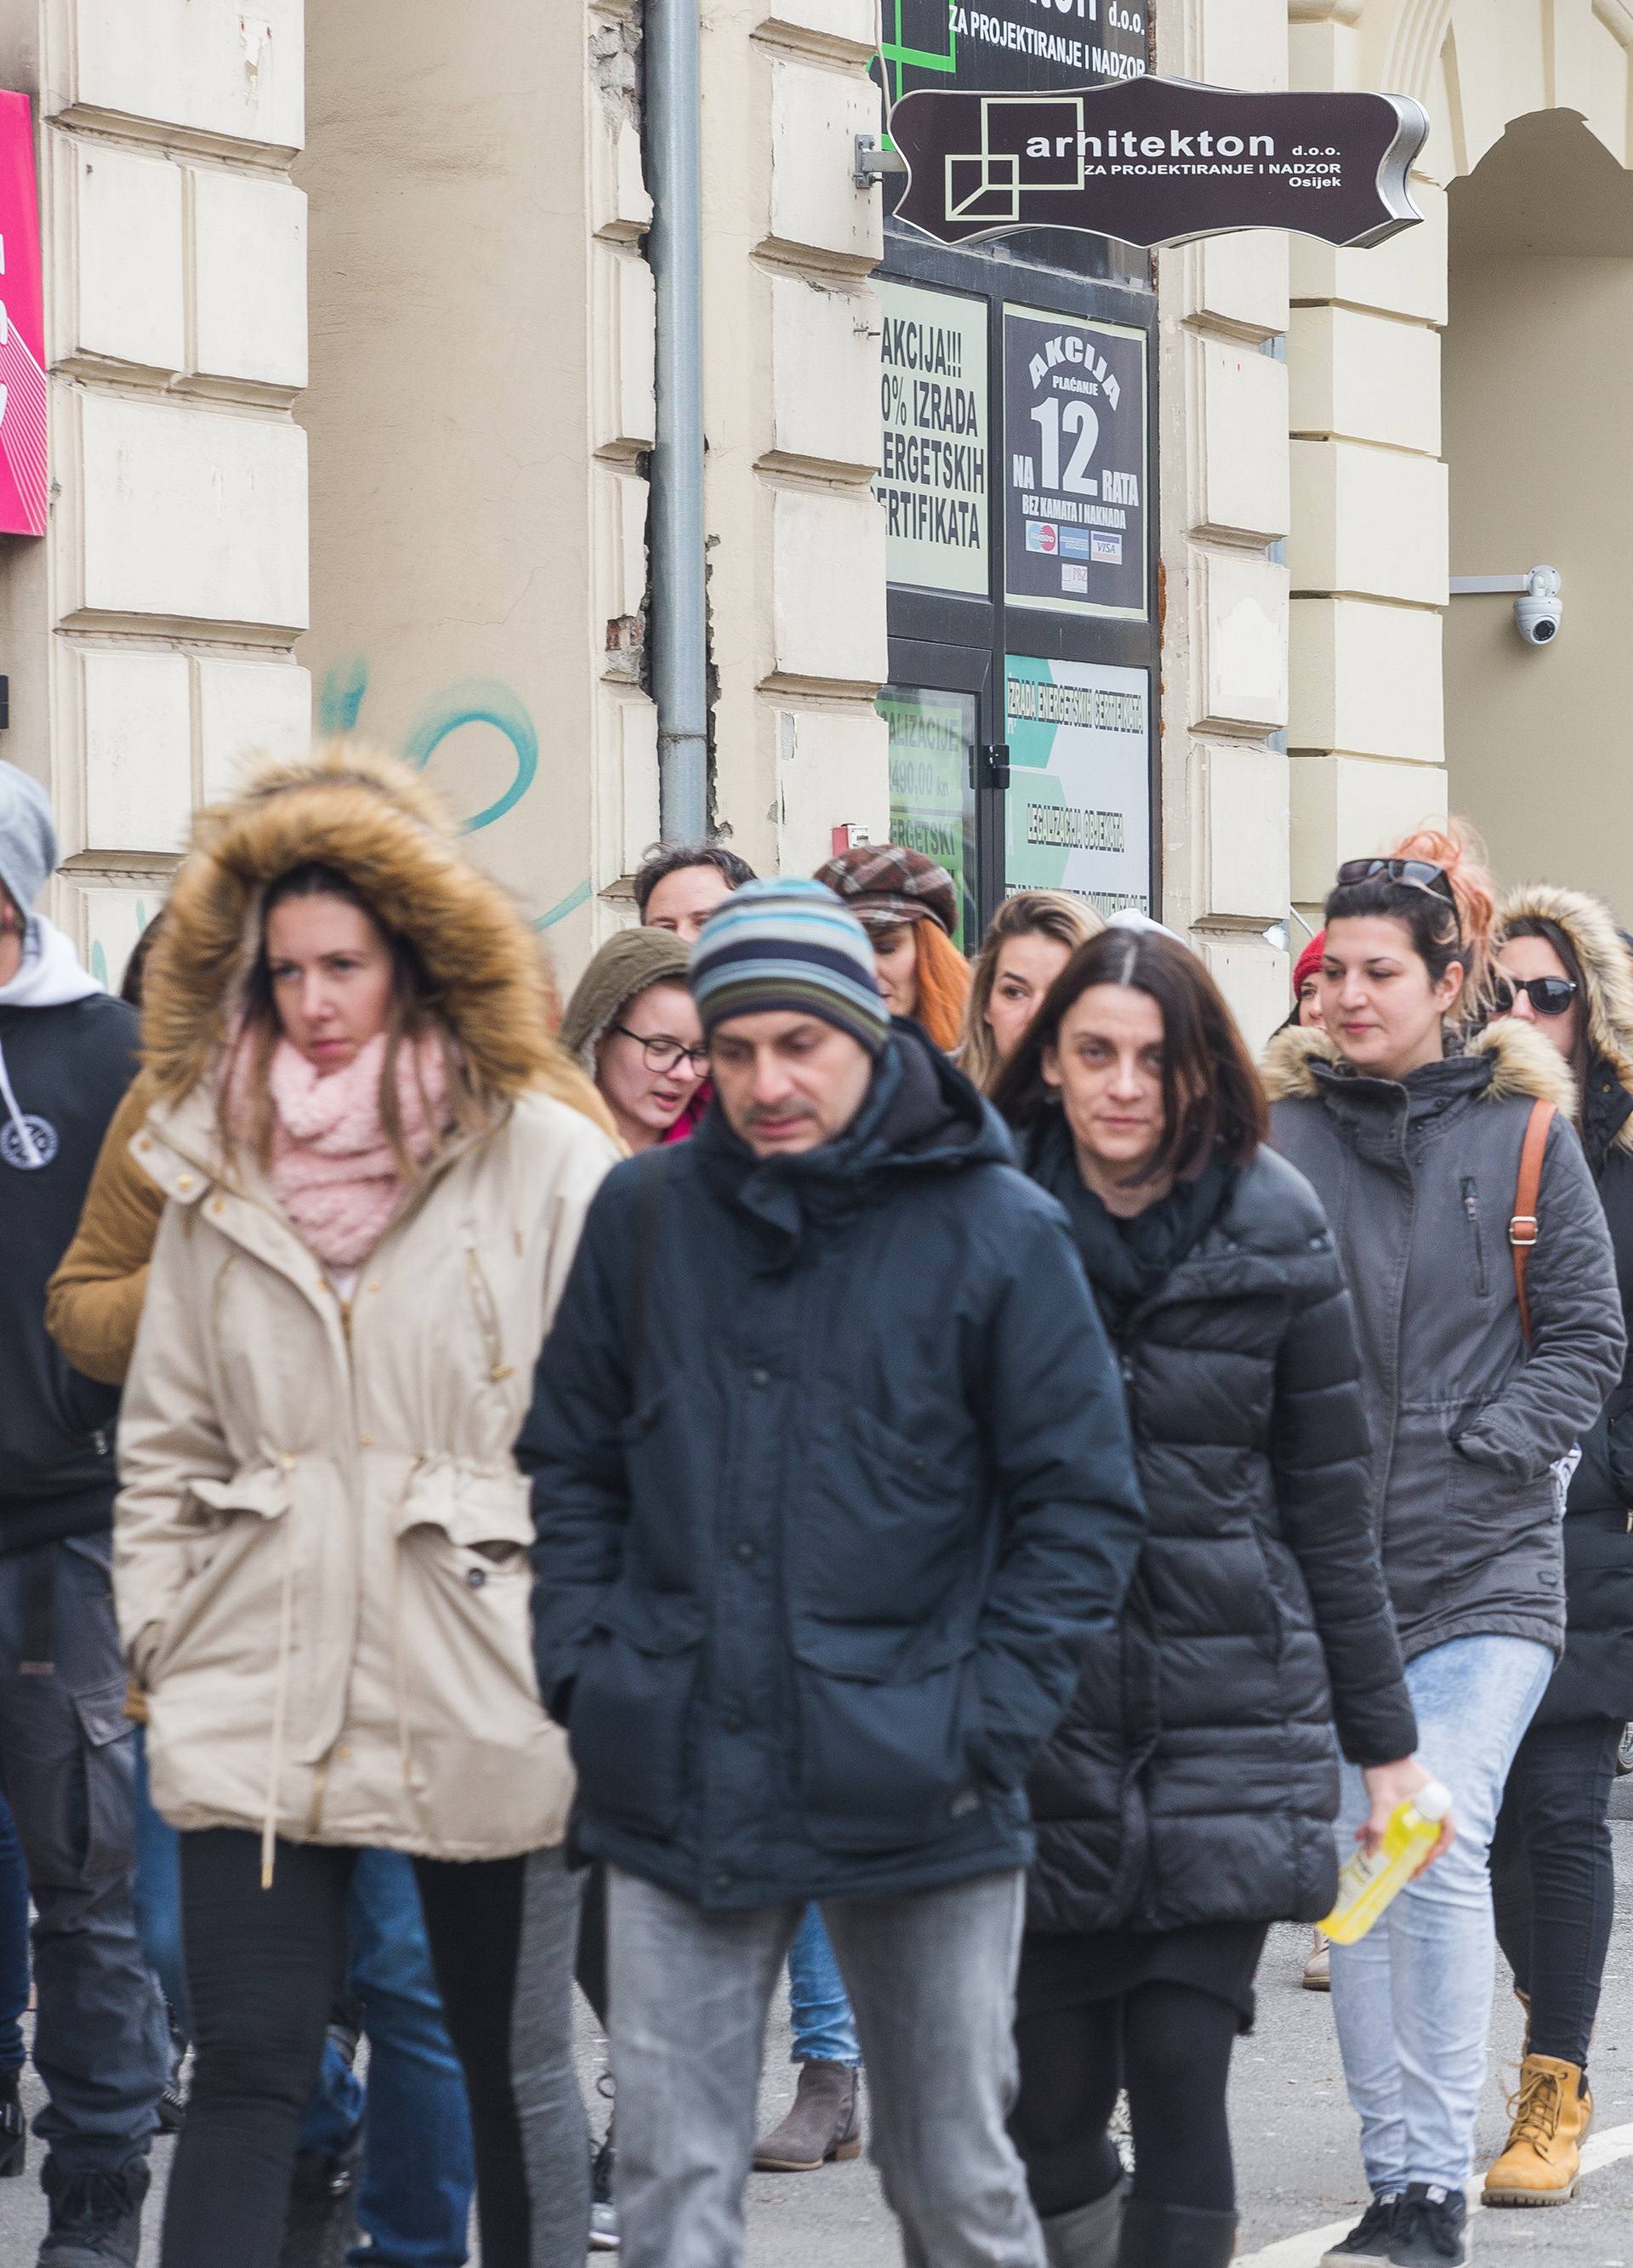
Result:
20,1126
280,1704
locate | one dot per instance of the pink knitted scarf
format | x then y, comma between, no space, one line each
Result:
331,1167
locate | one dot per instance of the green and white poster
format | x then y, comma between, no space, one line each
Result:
932,804
1077,814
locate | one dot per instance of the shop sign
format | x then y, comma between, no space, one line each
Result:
22,329
1077,814
933,482
1075,486
1009,44
1157,160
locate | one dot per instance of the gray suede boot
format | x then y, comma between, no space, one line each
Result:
1086,2237
1176,2236
824,2121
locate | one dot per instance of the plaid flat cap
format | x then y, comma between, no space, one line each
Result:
883,884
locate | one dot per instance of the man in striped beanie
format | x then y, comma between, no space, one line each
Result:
834,1498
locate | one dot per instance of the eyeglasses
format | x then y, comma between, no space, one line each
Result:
1422,873
663,1054
1549,996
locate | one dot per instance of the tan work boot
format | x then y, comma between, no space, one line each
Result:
1318,1970
1543,2163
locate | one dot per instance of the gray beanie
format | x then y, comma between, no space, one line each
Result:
626,965
27,838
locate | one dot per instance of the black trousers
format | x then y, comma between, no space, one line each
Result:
1553,1880
264,1970
1170,2045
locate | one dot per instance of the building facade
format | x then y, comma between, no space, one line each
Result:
349,331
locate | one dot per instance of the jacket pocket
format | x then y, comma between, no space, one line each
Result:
632,1707
887,1724
230,1575
463,1637
882,1519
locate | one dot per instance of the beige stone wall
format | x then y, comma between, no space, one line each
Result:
1223,310
1378,693
481,399
151,631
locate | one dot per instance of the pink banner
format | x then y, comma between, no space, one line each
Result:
22,329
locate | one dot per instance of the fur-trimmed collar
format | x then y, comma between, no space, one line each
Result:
368,814
1607,968
1523,1064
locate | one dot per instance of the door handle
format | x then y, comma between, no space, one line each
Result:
992,765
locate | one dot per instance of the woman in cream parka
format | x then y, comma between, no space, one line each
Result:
376,1163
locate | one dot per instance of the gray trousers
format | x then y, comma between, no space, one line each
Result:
931,1980
67,1766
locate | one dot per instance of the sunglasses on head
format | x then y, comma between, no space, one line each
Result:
1549,996
1422,873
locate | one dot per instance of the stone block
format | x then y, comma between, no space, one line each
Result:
1237,468
833,770
249,277
1365,377
1244,800
1239,641
106,921
188,513
1255,978
1367,680
247,709
827,550
1353,808
117,252
1406,275
626,725
139,750
824,371
620,205
1237,282
218,68
621,500
1244,45
1369,522
850,24
624,326
816,115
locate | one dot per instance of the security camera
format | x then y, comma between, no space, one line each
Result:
1537,614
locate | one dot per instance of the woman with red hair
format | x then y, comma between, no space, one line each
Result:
909,907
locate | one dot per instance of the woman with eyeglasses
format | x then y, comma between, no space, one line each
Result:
631,1025
1412,1132
1565,970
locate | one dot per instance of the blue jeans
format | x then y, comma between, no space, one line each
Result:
825,2030
1413,1997
414,2201
13,1944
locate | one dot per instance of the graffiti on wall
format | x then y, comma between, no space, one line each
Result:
472,701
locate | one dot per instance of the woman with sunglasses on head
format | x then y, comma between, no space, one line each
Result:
632,1026
1185,1801
1564,969
1413,1135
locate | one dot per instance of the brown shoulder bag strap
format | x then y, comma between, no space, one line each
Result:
1522,1229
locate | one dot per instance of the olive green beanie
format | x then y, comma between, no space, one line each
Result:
626,965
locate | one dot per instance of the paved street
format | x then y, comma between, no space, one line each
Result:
1295,2140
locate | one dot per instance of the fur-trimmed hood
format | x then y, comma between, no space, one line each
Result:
1607,966
374,819
1523,1064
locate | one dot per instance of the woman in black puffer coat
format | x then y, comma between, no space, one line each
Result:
1186,1802
1566,970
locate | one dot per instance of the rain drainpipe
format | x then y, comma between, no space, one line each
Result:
680,613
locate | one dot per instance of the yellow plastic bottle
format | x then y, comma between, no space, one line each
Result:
1368,1881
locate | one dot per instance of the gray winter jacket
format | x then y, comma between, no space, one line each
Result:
1418,1179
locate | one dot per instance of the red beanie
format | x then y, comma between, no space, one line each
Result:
1309,960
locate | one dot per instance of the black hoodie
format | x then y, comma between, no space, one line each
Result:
67,1061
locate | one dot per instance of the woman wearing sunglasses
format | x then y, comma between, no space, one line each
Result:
1412,1135
1565,970
631,1025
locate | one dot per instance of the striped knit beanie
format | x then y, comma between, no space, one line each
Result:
788,945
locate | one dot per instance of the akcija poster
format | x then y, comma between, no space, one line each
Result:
933,481
1077,814
1075,474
